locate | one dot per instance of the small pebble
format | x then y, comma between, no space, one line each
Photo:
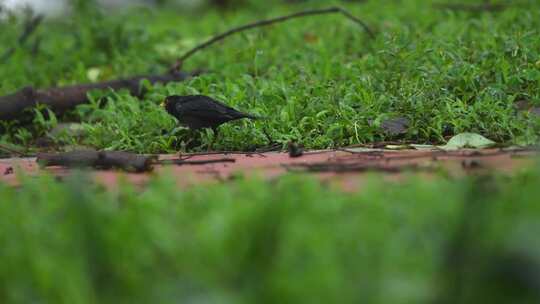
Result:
8,171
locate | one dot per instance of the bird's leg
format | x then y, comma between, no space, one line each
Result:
215,130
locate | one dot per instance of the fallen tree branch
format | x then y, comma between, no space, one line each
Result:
64,98
130,162
219,37
30,27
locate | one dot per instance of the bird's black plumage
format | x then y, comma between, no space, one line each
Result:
199,111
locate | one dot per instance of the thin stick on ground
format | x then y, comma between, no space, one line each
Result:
261,23
181,162
186,156
260,152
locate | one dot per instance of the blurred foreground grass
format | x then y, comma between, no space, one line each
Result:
290,241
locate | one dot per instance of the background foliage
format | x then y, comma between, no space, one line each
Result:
320,80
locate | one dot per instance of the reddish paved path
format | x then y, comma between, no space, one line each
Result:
344,168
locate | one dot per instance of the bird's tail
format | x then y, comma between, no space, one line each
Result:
251,116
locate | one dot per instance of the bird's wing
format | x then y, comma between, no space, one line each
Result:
220,107
206,110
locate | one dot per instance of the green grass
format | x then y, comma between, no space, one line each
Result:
320,80
289,241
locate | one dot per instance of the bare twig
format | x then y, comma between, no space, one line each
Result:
30,27
260,152
381,144
181,162
267,22
186,156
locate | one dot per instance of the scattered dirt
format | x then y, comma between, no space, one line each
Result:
346,169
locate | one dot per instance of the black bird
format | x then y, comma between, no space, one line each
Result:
199,111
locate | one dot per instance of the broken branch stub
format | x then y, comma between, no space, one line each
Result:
130,162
